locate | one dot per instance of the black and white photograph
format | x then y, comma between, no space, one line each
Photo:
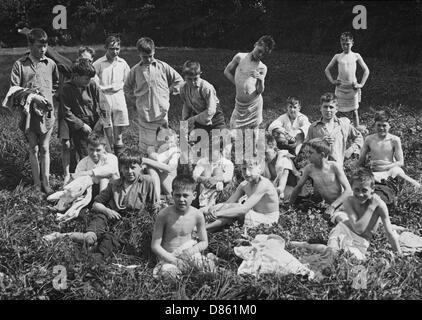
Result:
219,153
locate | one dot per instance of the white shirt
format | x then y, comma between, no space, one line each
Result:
106,167
300,123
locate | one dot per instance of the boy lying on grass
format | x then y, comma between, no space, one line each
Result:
328,178
172,240
385,152
260,207
363,210
132,192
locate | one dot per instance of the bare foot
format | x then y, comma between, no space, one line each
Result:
53,236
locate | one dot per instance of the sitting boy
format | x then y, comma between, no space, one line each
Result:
363,209
212,175
328,178
80,102
132,192
385,151
162,160
99,164
260,207
278,165
291,128
172,240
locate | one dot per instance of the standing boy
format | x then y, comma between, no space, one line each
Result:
385,152
80,102
335,131
200,103
151,81
348,90
112,72
36,71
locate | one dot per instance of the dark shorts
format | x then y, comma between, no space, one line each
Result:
218,122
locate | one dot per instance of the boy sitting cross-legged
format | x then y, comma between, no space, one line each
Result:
172,240
132,192
328,178
363,209
260,207
385,151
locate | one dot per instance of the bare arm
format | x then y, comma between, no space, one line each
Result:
242,209
156,164
230,69
205,116
157,237
347,190
327,69
392,236
365,69
398,153
202,236
237,194
300,184
260,81
363,153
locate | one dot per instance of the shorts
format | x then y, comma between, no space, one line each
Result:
254,219
116,110
384,175
342,238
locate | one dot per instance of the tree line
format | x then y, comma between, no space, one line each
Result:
394,28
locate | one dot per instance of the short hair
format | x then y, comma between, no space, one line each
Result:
37,34
363,175
146,45
95,140
346,36
293,100
254,162
328,97
269,138
83,67
381,116
191,68
319,146
266,41
129,157
184,181
111,39
82,49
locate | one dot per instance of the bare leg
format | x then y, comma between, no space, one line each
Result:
109,134
66,160
218,224
88,237
118,135
282,183
409,179
45,159
33,158
314,246
167,180
356,117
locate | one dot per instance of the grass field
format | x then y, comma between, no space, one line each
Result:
26,262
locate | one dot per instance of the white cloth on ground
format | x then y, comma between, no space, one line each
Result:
75,196
410,243
267,255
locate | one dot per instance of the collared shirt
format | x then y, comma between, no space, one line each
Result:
300,123
205,168
80,106
341,132
106,167
200,101
151,85
112,73
139,194
43,76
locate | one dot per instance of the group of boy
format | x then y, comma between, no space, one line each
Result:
95,98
